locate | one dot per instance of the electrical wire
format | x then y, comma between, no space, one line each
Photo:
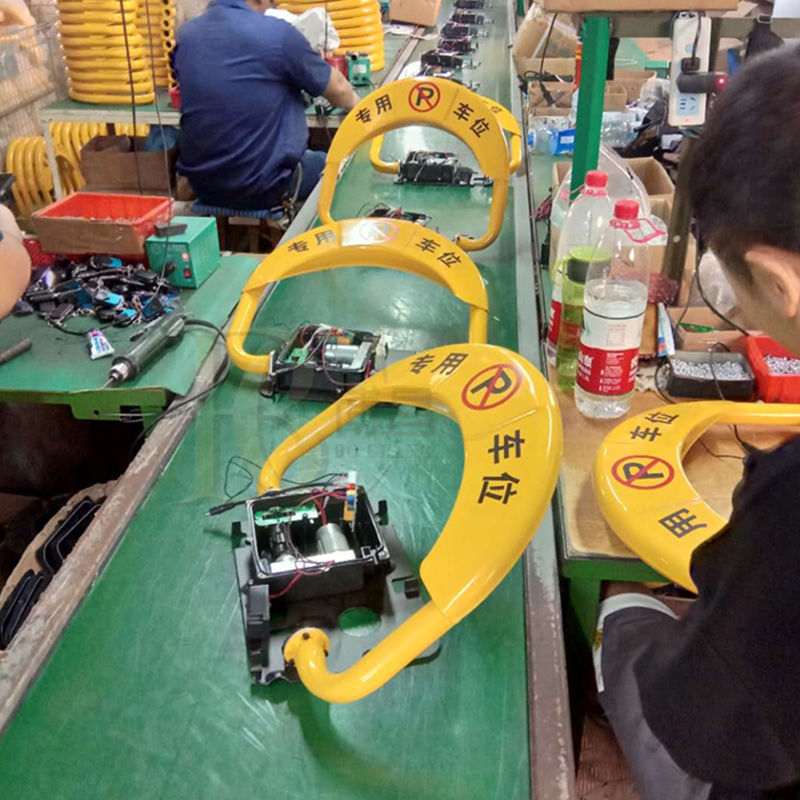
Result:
700,15
328,476
548,98
167,174
712,306
133,90
546,43
667,399
219,378
746,446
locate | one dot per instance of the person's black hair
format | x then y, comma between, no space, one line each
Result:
745,181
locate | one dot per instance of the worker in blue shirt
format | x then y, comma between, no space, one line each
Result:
244,137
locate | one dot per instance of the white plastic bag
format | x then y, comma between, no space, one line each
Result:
315,24
623,183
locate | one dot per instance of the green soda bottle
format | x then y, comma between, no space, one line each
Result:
569,334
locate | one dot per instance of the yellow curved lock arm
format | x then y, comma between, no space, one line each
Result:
386,167
503,116
309,648
391,244
511,429
644,492
435,103
510,125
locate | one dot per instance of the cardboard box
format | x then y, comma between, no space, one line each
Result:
109,164
615,98
417,12
631,80
526,51
597,6
703,340
657,183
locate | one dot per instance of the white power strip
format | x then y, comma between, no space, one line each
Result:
688,109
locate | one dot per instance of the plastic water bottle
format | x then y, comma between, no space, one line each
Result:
618,128
613,316
587,219
573,286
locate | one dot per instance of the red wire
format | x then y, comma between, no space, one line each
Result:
300,574
288,586
318,503
316,498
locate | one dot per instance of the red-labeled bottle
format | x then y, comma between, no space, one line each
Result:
615,299
586,221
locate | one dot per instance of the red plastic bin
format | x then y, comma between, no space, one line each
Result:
94,222
772,388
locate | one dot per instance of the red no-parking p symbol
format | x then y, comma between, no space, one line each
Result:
424,97
491,387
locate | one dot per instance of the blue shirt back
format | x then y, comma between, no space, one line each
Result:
243,121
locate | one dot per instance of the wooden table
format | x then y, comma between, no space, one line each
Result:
590,551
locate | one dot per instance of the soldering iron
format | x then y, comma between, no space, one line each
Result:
149,343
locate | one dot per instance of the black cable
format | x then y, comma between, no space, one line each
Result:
167,174
700,15
746,446
218,380
659,391
546,42
711,305
241,463
133,92
223,507
548,98
667,399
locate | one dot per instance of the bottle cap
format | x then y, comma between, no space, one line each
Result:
597,179
626,209
580,259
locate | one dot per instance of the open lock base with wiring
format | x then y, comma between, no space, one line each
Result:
321,362
430,167
320,556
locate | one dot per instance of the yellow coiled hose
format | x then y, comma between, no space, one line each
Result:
26,157
105,53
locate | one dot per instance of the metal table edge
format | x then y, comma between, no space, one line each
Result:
552,768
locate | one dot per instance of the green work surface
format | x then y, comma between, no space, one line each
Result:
60,107
58,364
148,693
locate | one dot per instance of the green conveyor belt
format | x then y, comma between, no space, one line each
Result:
148,693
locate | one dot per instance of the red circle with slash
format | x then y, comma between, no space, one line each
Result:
492,382
636,472
424,97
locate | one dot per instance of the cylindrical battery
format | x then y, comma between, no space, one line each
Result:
331,539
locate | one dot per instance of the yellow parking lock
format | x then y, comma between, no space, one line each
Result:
507,122
345,27
362,38
348,14
391,244
91,6
111,99
20,188
337,5
643,491
511,429
435,103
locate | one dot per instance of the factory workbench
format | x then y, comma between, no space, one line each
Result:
57,369
147,692
161,111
